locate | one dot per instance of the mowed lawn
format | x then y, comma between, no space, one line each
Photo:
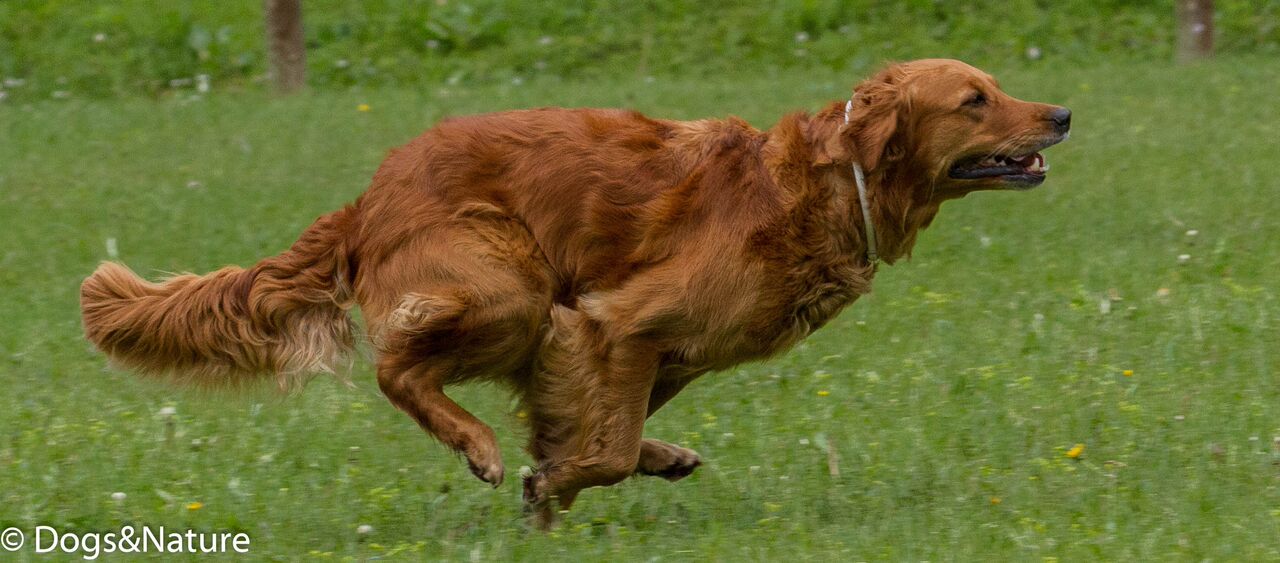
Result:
1129,305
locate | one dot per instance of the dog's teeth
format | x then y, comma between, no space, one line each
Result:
1037,164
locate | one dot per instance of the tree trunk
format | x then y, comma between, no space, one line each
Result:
286,52
1195,29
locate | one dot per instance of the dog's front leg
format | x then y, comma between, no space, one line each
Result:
669,461
658,458
591,401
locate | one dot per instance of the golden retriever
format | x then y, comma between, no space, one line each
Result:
596,261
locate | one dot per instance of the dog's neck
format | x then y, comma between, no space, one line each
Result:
899,206
902,209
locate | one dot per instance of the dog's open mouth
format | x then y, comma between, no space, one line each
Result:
1023,169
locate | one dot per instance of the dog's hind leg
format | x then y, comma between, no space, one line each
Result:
419,391
468,302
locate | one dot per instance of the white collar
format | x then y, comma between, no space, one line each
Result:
859,178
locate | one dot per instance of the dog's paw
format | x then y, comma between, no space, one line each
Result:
535,491
486,467
491,474
668,461
539,503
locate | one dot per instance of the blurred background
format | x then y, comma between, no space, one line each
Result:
85,48
1085,371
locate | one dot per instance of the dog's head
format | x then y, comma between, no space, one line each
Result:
950,124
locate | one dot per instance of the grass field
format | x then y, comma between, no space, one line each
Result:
948,399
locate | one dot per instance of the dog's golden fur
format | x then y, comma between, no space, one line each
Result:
596,261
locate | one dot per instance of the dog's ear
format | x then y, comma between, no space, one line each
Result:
830,140
873,118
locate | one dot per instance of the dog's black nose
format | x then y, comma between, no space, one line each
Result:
1061,119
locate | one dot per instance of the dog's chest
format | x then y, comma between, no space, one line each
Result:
814,293
785,308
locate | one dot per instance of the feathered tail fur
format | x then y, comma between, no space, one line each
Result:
286,316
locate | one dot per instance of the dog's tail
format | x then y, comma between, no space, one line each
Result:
286,316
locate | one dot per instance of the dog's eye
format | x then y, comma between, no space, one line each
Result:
976,100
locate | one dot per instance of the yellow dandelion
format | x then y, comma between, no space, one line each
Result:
362,107
995,500
1075,451
1128,373
195,505
522,414
823,393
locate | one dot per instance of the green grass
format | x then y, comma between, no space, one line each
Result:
965,376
